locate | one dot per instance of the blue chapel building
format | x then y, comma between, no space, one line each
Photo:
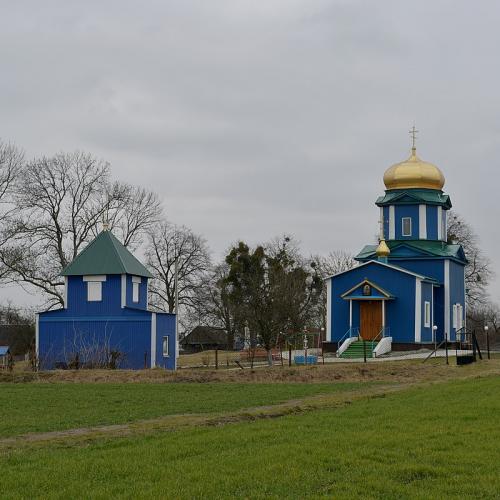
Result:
105,317
408,292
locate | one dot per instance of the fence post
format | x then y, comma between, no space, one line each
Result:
364,350
488,343
145,359
446,347
289,355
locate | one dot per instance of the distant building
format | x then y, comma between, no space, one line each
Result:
203,338
4,357
105,319
408,289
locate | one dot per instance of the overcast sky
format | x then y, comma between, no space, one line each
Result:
256,118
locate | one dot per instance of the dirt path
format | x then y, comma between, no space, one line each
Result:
85,435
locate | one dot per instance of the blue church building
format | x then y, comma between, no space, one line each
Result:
408,292
105,319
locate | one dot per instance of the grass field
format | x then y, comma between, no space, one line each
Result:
403,439
59,406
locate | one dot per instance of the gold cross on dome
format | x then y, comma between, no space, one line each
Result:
413,132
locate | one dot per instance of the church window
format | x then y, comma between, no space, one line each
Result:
427,315
406,222
136,281
94,287
165,347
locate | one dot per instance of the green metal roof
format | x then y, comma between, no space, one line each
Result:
412,196
105,255
426,248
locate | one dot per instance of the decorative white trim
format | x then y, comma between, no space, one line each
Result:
37,335
124,290
432,315
95,278
392,222
136,279
153,340
422,222
440,222
447,299
65,292
418,310
465,302
329,311
382,224
350,313
383,313
378,262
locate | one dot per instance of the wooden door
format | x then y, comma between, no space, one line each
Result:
370,313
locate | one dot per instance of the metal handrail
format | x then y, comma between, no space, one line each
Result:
349,335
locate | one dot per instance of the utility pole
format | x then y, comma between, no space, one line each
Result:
176,285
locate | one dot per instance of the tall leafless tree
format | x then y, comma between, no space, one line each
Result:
478,271
59,205
168,243
11,162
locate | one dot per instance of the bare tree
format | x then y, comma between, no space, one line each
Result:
478,271
59,205
212,307
167,244
11,161
334,263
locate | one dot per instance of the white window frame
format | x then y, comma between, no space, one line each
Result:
136,281
455,316
94,287
403,220
427,314
460,318
165,352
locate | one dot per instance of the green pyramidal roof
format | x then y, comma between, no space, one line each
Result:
105,255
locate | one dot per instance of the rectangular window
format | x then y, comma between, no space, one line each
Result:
94,291
136,281
165,347
94,287
427,315
455,316
406,222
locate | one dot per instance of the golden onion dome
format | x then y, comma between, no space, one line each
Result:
382,249
414,173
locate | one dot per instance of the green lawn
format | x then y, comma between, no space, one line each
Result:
441,441
28,408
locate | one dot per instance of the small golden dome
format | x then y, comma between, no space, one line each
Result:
414,173
382,249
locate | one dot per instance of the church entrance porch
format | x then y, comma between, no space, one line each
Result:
370,318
